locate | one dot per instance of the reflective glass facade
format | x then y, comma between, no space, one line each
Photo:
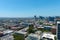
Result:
58,32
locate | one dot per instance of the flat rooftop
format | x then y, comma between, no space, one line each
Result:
34,35
48,35
7,31
21,32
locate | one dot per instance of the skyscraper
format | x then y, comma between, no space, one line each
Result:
58,30
35,17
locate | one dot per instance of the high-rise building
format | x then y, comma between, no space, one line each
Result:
58,30
35,18
51,18
41,17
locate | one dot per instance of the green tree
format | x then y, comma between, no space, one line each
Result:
40,22
55,38
18,37
31,29
41,29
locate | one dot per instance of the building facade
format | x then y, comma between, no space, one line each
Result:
58,30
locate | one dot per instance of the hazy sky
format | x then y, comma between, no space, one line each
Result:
29,8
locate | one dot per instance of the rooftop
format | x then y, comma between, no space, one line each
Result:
47,26
7,31
48,35
38,32
58,22
21,32
34,35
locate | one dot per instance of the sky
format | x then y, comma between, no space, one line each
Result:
29,8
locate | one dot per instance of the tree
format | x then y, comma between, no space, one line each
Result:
31,29
18,37
40,22
41,29
55,38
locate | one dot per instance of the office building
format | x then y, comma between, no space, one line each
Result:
58,30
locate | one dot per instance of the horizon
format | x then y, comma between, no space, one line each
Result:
29,16
29,8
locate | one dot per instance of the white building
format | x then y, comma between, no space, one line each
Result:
47,36
33,37
7,31
22,32
7,35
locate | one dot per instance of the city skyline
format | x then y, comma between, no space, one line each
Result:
29,8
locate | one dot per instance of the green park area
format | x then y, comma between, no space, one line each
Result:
18,37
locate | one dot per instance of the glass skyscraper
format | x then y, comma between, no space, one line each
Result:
58,30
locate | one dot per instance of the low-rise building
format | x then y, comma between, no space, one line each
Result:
23,31
33,37
38,32
47,36
47,28
6,35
